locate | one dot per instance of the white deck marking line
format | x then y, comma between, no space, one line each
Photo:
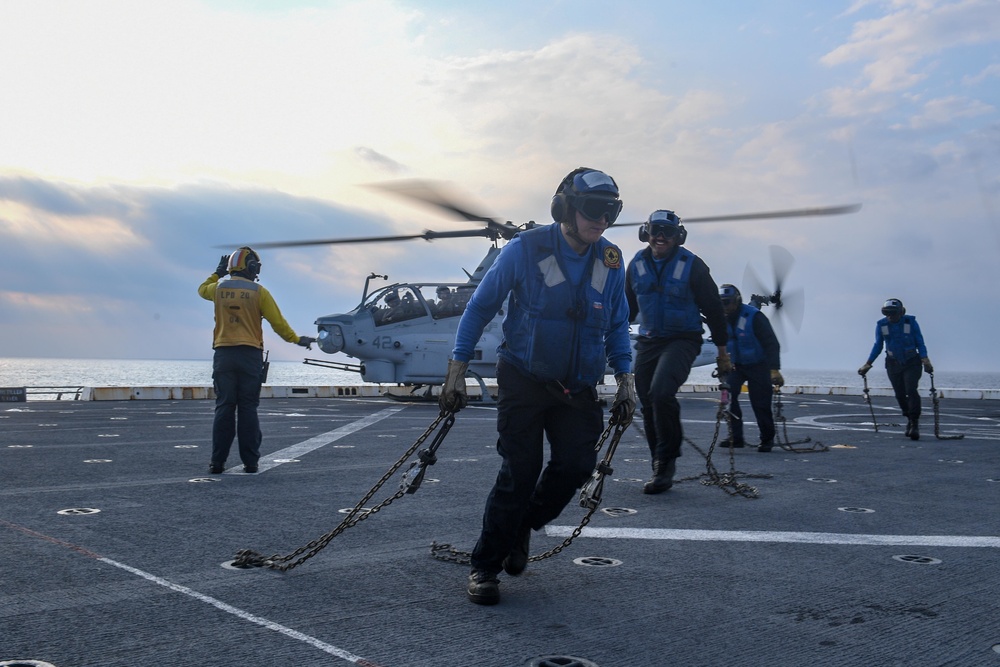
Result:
306,446
245,615
789,537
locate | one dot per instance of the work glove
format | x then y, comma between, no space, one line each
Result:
927,364
776,378
864,369
223,268
453,394
724,364
306,342
625,399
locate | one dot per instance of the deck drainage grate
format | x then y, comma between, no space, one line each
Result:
596,561
561,661
199,480
822,480
77,511
856,510
918,560
25,663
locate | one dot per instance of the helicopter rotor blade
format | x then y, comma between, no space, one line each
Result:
765,215
781,264
752,284
428,235
431,194
793,307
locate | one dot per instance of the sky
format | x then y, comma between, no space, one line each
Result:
137,137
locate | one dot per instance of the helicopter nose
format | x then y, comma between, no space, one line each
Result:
330,339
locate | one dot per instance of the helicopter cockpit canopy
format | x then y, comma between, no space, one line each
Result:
401,303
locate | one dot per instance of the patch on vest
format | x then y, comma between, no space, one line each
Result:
612,258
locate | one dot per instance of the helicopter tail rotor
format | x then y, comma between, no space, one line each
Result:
789,305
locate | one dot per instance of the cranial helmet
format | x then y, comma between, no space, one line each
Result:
589,191
245,262
663,222
893,307
443,289
392,298
729,293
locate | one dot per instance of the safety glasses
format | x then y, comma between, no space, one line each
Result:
595,208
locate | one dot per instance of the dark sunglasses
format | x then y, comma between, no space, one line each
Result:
595,208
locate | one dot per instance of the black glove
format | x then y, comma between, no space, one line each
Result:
306,342
453,394
223,268
864,369
625,399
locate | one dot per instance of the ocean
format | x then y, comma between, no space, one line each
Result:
41,372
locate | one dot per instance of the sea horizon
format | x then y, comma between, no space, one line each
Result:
64,372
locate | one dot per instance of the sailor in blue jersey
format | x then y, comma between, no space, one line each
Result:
756,356
905,354
669,289
563,287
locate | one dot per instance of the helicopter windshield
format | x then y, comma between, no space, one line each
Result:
400,303
397,304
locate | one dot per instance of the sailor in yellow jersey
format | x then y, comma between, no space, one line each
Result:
240,306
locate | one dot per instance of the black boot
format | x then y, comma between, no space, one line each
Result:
484,587
909,426
914,431
663,476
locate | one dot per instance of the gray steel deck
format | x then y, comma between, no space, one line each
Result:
118,544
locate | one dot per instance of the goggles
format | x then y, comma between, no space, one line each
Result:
596,208
664,229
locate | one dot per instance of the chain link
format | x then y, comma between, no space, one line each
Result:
247,558
788,445
590,497
728,482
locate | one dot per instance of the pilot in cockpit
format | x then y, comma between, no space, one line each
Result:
398,309
447,305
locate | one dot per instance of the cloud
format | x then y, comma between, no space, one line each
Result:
914,30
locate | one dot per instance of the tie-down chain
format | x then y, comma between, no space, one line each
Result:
410,483
590,497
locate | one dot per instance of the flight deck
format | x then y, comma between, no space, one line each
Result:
856,548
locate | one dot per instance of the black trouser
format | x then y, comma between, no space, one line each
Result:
236,372
904,379
662,365
758,380
527,410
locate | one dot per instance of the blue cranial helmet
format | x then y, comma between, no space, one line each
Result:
589,191
729,294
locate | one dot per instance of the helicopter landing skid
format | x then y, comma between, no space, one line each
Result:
415,395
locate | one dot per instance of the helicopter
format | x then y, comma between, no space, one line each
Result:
403,333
